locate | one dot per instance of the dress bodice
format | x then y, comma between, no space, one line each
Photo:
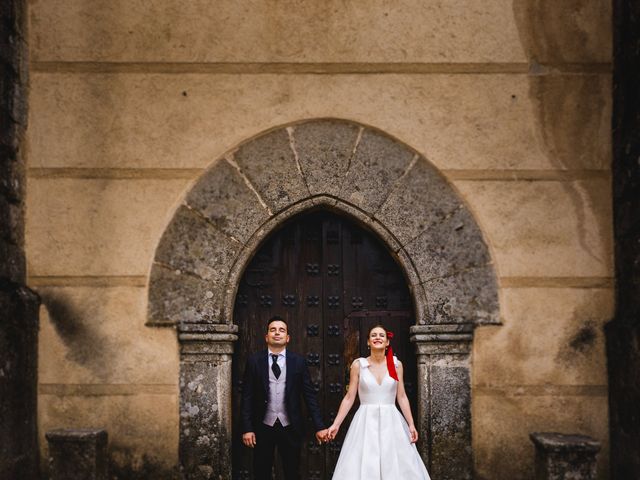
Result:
372,393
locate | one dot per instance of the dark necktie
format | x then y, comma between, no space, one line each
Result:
274,366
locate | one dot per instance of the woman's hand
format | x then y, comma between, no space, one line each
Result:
332,431
413,434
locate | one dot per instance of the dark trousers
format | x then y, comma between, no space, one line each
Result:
288,442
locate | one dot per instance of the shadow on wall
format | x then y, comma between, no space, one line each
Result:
572,111
84,342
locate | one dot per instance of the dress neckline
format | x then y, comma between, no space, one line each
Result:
375,379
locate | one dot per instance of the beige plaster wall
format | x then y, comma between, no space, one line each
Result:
130,101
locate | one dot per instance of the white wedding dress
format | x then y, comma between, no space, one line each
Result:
377,445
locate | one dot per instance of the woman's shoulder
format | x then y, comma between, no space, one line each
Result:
360,363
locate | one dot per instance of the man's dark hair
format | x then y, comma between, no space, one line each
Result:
277,318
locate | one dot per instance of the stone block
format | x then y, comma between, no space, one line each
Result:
205,417
324,150
78,454
96,226
561,456
418,201
13,265
450,404
537,229
550,336
222,195
503,419
12,222
98,335
143,427
452,245
259,31
191,245
464,297
378,162
459,122
270,165
176,297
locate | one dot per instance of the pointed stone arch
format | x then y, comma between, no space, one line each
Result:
386,186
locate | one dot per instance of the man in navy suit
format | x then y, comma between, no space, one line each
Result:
274,380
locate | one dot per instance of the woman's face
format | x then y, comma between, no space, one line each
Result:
378,339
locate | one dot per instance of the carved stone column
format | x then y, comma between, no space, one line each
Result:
444,398
205,400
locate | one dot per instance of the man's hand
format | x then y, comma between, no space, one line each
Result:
321,436
249,439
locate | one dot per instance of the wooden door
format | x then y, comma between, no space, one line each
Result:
331,280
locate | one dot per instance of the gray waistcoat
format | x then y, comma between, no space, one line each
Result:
276,408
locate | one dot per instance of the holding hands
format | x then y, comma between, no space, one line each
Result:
326,435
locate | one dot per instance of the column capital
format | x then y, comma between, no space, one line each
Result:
442,338
201,340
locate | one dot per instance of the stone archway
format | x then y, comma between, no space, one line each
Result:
388,187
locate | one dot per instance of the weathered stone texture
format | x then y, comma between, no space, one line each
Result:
142,426
551,336
460,122
223,196
376,165
419,200
469,296
623,333
192,245
561,456
269,163
82,339
176,297
78,454
260,31
444,409
18,365
18,304
450,420
324,150
544,228
94,227
205,415
504,416
452,245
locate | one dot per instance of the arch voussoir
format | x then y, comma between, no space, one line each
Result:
465,297
324,150
177,298
224,198
269,163
378,162
419,200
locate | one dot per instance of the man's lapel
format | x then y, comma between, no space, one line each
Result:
263,368
289,363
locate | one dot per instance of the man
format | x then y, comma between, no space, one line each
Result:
274,380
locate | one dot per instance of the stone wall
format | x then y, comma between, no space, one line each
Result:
509,100
623,333
18,304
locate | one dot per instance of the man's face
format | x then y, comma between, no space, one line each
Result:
277,336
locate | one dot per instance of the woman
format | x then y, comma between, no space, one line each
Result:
380,444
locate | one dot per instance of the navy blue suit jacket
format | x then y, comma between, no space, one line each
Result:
255,392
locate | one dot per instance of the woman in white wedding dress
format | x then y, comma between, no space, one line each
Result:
380,443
